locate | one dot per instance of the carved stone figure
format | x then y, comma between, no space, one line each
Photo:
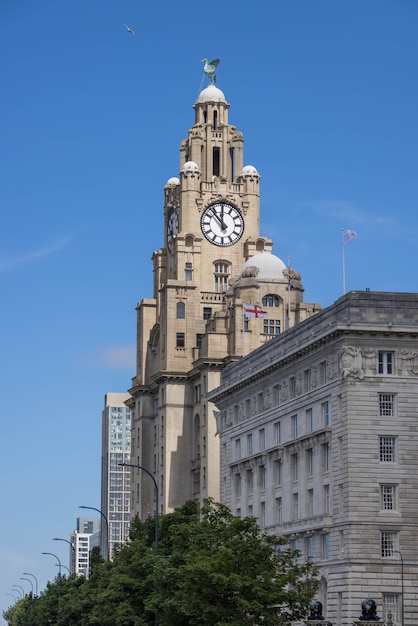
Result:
368,611
351,362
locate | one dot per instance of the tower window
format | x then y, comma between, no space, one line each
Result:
180,340
270,300
188,271
385,362
216,160
207,312
180,310
232,157
215,120
221,277
271,327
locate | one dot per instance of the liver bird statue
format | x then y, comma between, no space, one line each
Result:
210,68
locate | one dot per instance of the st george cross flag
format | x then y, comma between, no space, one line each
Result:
349,235
251,310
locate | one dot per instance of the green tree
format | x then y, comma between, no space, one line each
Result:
222,570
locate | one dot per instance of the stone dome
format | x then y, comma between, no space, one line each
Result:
172,182
190,166
269,265
249,170
211,94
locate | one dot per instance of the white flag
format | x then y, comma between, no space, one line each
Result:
349,235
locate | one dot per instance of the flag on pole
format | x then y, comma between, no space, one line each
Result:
349,235
251,310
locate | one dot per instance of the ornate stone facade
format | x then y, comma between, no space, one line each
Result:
194,323
318,432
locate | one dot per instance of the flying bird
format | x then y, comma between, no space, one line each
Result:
130,30
209,69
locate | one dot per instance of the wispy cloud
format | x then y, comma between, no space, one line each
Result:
114,357
346,212
10,263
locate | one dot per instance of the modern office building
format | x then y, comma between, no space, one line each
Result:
115,483
213,276
82,542
318,431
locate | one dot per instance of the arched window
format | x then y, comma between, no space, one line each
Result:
271,300
180,310
221,277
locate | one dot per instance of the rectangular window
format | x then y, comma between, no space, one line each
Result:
386,404
237,485
294,426
387,449
292,387
385,363
207,312
309,420
188,271
279,511
199,338
249,481
309,548
180,340
277,433
391,607
325,546
250,510
388,497
278,472
309,461
262,439
276,395
326,500
262,477
295,506
295,466
325,413
260,402
307,380
237,449
249,444
263,514
323,379
310,503
325,457
271,327
388,543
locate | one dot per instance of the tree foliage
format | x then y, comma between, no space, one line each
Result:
212,569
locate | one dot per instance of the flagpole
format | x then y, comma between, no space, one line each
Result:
288,294
343,260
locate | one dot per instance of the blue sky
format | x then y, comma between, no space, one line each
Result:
91,119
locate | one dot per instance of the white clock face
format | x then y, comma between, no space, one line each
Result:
172,229
222,224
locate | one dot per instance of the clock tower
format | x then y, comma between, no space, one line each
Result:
212,264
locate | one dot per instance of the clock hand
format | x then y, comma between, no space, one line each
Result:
219,220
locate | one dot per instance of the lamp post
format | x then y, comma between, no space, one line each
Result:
72,549
156,497
402,588
13,596
67,568
21,589
36,580
92,508
59,562
29,580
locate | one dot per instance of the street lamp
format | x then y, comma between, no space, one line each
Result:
67,568
36,580
29,580
92,508
13,596
156,497
402,588
54,555
21,588
69,542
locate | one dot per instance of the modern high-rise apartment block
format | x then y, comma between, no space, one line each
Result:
82,541
213,267
115,483
319,431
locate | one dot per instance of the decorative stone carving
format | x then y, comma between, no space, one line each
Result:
351,362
